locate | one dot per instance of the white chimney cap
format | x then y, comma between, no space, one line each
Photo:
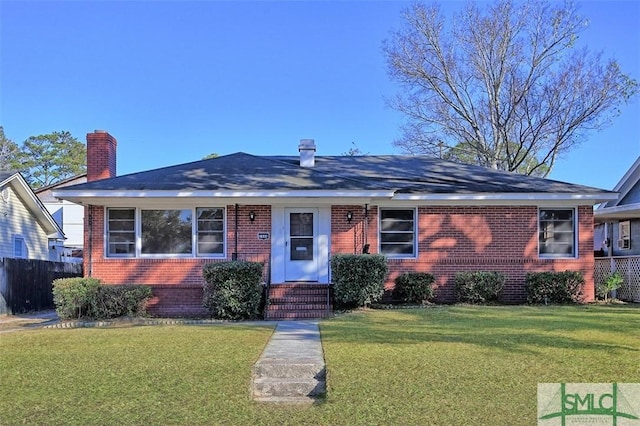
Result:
307,148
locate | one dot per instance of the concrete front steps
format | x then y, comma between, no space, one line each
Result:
291,370
290,301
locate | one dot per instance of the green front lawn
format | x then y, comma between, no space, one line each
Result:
444,365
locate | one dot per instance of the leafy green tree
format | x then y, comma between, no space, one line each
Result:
501,84
212,155
49,158
9,153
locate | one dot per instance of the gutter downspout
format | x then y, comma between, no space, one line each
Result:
234,255
608,236
365,244
89,242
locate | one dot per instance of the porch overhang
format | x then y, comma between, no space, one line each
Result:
631,211
127,197
111,197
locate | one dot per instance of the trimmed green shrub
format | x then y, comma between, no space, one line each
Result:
114,301
478,287
358,279
89,298
414,287
74,297
554,287
233,290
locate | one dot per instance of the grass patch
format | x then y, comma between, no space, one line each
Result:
138,375
443,365
473,365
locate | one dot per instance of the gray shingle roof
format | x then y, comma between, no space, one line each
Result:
403,174
6,175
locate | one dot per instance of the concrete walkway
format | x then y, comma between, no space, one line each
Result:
291,368
9,323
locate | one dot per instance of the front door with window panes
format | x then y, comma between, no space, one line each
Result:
301,245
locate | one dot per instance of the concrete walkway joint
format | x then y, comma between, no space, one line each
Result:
291,368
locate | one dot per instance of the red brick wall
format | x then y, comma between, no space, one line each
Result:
177,283
352,237
454,239
101,155
451,239
248,241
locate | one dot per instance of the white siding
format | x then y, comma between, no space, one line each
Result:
17,221
70,217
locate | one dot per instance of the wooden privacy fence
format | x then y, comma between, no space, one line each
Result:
628,267
26,284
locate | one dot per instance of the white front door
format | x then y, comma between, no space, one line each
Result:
301,244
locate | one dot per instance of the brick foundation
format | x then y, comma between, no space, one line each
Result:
177,301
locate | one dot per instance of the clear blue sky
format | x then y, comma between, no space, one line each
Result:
175,81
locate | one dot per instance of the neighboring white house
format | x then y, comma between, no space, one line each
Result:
68,215
27,230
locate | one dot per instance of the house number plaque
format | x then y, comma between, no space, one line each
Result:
263,235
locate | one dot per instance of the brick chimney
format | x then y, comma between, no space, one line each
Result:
101,155
307,148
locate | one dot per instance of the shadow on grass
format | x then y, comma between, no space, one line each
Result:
522,329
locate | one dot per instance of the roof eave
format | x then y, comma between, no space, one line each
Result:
34,204
590,198
625,212
87,197
626,183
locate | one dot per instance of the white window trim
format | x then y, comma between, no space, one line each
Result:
576,253
106,234
138,235
23,246
621,237
194,234
415,233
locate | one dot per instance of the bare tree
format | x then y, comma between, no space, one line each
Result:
503,87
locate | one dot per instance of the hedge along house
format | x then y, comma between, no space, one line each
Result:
293,213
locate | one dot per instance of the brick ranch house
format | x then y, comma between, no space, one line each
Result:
160,227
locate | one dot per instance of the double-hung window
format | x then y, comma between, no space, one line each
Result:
398,232
557,232
165,232
210,231
121,233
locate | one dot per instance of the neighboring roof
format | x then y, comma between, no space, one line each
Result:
616,209
387,176
31,202
62,183
45,193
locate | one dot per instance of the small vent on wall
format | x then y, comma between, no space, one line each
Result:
5,194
